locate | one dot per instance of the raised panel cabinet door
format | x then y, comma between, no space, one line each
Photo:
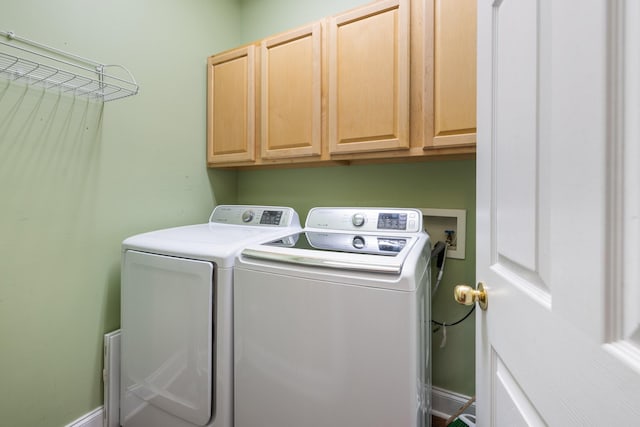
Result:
231,107
291,94
368,96
455,72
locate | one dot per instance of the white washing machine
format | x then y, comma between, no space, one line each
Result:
176,321
331,324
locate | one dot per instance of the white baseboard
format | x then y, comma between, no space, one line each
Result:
92,419
445,403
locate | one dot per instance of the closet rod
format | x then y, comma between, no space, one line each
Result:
12,36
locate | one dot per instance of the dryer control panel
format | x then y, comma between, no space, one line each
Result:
365,219
267,216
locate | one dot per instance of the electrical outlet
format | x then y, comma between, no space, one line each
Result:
447,225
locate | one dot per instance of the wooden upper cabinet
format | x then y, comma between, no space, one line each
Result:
231,107
455,72
368,93
393,79
291,103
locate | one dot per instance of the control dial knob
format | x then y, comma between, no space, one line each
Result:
247,216
358,242
358,219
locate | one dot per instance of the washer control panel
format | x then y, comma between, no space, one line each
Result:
365,219
269,216
356,243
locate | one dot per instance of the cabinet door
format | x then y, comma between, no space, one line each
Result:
455,72
369,78
231,107
291,94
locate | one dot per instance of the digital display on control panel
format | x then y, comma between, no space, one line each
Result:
271,217
392,221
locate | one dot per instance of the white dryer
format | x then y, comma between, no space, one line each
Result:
331,324
176,316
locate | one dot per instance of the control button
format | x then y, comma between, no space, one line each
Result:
358,220
358,242
247,216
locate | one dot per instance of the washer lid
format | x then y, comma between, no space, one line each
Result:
360,252
219,243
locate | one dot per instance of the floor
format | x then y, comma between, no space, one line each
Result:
438,422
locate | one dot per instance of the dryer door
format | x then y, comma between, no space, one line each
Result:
167,334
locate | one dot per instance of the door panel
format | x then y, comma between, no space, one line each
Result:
291,94
454,85
512,407
167,333
557,212
368,92
629,158
231,106
516,131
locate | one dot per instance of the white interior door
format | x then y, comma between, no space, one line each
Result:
558,201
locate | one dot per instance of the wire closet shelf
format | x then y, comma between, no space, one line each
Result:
74,74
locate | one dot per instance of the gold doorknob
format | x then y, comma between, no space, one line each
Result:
465,294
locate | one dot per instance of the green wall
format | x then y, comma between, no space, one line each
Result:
76,177
449,185
261,18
